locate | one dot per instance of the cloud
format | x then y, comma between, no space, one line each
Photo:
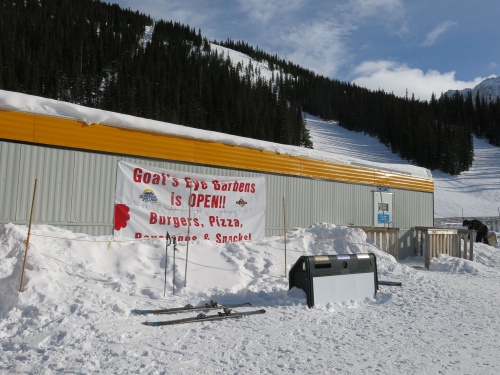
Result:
437,32
321,39
318,45
363,9
185,12
396,78
263,11
391,14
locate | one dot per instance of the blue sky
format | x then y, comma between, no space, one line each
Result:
396,45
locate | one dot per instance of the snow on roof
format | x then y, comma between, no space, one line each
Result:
18,102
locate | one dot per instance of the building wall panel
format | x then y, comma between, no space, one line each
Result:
76,191
9,187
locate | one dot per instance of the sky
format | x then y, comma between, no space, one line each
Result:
399,46
74,315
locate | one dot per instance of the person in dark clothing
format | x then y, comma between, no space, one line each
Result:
480,229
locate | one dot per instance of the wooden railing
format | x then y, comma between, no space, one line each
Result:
386,239
493,222
430,242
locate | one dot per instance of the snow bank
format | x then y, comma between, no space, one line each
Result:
74,315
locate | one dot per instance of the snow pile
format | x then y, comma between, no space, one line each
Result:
74,315
73,268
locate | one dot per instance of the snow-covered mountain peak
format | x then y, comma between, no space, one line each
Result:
489,89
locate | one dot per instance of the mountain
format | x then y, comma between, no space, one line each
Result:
489,89
95,54
473,193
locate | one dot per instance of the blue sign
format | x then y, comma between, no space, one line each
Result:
383,218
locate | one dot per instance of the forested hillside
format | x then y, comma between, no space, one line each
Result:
95,54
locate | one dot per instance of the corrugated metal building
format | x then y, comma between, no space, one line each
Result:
75,165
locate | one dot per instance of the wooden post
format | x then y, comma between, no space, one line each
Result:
471,248
21,288
427,248
189,239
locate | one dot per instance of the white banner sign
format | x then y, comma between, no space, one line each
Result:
150,202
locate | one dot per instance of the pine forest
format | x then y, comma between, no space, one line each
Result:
98,55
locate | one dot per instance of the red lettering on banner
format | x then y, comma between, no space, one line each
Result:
175,200
195,185
207,201
219,238
185,199
139,176
216,221
237,187
179,238
140,235
185,238
174,221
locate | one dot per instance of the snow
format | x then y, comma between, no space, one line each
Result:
489,89
473,193
74,315
31,104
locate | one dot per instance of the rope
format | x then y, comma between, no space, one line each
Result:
188,261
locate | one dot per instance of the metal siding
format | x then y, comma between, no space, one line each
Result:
339,203
228,156
412,209
9,171
97,137
51,167
76,192
362,205
65,132
297,200
94,188
275,191
323,198
349,203
24,182
17,126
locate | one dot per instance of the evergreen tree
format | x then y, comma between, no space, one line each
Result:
93,53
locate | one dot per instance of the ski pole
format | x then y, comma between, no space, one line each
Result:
173,277
168,241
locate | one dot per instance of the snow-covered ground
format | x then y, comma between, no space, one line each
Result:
74,315
474,193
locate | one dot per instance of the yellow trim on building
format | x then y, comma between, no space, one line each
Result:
71,133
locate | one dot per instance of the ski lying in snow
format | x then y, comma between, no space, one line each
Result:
222,315
212,305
